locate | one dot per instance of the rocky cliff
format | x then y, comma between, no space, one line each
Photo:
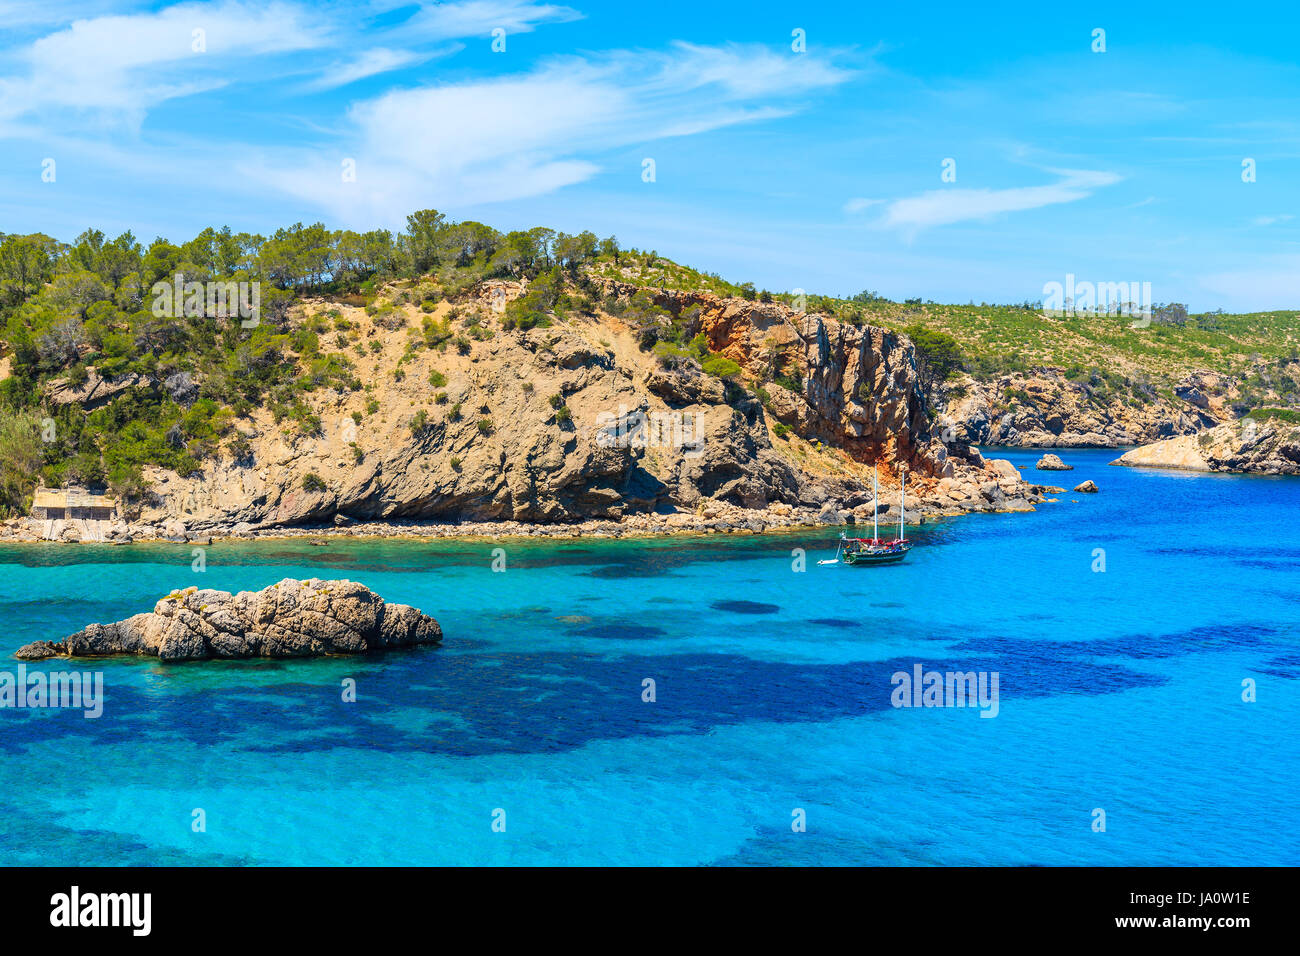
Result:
289,619
1247,447
856,386
575,422
1045,408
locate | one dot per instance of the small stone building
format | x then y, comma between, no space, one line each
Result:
68,503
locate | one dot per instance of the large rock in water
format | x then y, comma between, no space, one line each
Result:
1052,463
289,619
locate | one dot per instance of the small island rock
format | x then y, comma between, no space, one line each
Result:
1052,463
290,619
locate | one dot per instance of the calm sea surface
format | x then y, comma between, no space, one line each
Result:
1118,690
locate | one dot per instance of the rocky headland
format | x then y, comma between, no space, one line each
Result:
289,619
453,379
1268,447
1046,408
573,425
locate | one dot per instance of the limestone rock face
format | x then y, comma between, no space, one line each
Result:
508,454
1208,391
1269,447
1088,487
859,387
574,422
571,423
289,619
1003,469
1044,408
1183,453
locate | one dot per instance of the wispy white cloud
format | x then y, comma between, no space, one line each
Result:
940,207
372,63
527,134
858,204
453,21
1271,220
123,65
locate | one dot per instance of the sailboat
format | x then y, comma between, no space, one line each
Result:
861,551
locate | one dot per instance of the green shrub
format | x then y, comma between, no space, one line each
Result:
1288,415
720,366
938,354
312,482
436,332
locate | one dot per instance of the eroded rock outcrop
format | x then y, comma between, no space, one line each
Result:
518,426
1045,408
94,391
853,386
290,619
1270,447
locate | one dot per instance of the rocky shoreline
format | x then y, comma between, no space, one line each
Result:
949,498
577,429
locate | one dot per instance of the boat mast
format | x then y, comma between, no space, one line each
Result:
875,503
902,497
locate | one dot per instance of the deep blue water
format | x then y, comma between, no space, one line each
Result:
1119,690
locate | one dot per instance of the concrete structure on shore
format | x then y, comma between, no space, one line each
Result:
73,513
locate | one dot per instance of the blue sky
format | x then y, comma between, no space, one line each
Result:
819,170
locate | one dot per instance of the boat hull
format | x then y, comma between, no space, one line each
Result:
873,558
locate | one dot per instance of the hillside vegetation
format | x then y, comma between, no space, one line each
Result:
1004,339
82,321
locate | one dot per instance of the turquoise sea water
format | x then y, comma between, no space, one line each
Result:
1119,690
